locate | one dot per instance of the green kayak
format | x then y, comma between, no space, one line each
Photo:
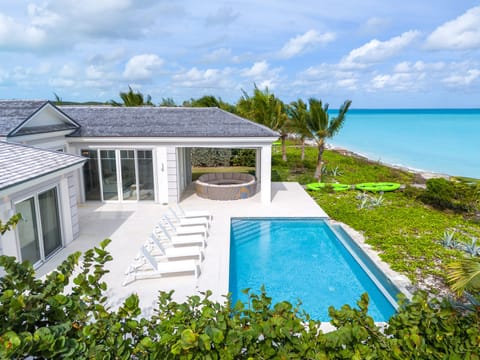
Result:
378,186
319,185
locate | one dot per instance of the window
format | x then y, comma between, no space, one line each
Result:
118,175
40,232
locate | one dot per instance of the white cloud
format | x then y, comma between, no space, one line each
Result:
398,81
14,35
302,43
459,34
376,51
462,80
374,25
220,54
223,17
209,78
259,68
94,73
67,70
142,67
407,66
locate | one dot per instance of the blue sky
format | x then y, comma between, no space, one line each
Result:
379,53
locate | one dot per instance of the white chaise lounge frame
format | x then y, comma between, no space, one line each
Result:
159,269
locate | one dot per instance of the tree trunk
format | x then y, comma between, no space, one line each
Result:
302,156
318,170
284,148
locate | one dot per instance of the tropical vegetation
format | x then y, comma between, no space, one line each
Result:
66,315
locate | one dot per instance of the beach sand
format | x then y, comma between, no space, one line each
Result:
425,175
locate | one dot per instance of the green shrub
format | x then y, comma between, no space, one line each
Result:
210,157
243,157
457,196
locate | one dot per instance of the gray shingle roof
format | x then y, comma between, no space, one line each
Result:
14,113
20,163
110,121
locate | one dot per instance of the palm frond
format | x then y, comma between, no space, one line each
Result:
464,274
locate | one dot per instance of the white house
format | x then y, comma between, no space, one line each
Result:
129,154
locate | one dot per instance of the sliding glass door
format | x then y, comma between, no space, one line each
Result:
39,232
50,220
109,174
124,175
28,231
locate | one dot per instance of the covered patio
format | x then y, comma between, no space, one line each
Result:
130,224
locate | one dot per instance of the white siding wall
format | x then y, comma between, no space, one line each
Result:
72,194
172,174
68,211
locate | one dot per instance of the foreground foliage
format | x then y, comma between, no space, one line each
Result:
41,319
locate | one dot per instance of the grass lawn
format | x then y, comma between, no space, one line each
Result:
402,229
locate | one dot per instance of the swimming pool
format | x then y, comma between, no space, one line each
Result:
302,258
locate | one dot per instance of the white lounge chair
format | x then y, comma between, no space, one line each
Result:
194,213
186,230
188,221
174,253
180,240
156,269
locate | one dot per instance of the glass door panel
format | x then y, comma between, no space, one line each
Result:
129,180
50,220
91,179
145,175
28,232
109,174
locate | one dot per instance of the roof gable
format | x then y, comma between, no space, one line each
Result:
21,117
20,163
146,121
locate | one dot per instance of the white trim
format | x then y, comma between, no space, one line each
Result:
177,141
36,203
47,105
39,136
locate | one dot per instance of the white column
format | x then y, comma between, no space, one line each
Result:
66,211
161,175
258,167
266,174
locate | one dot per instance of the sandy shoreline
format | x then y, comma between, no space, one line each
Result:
423,173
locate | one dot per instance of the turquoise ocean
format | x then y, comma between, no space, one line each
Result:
445,141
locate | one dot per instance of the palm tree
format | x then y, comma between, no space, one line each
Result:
210,101
298,113
132,98
464,274
266,109
321,127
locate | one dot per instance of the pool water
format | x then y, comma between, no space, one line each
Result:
299,259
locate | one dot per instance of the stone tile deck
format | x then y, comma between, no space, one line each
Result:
129,225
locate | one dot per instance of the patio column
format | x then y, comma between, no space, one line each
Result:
258,167
266,176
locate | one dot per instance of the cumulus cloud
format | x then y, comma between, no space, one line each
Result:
223,17
259,68
397,81
407,66
15,35
302,43
222,54
209,78
374,25
464,79
46,24
461,33
376,51
142,67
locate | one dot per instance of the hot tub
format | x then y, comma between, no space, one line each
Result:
226,186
